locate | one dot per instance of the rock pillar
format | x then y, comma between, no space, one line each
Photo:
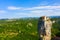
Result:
44,28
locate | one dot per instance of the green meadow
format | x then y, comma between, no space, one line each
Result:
24,29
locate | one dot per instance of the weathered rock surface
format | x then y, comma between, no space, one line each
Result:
44,28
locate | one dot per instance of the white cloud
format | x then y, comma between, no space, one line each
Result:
2,11
38,11
43,7
33,8
14,8
34,13
45,10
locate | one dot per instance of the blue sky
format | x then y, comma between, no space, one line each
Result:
29,8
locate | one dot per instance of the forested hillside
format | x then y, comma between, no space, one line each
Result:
24,29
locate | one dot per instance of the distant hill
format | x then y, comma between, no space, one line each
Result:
54,16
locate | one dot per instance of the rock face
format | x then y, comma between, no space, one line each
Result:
44,28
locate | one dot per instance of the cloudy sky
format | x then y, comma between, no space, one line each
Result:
29,8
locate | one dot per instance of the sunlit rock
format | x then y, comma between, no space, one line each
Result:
44,28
